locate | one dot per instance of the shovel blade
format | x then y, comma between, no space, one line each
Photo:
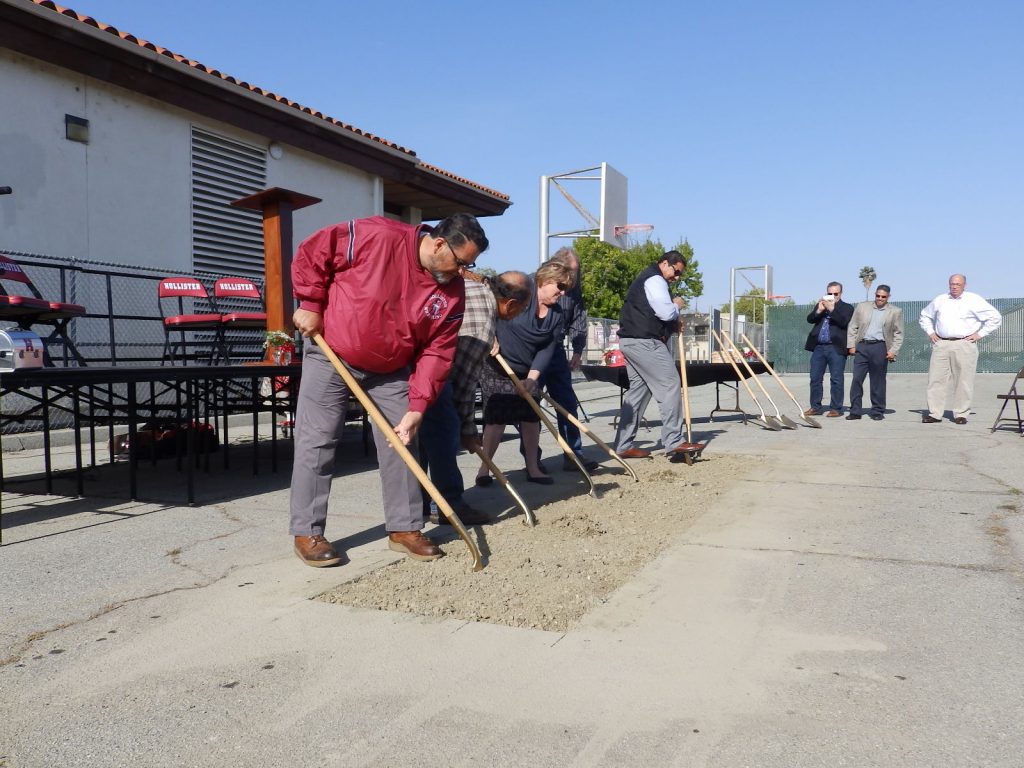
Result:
763,422
811,422
788,423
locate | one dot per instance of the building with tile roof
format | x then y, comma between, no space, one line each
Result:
121,151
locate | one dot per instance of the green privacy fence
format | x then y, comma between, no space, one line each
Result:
1001,352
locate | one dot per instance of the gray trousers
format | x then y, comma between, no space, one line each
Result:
651,371
319,419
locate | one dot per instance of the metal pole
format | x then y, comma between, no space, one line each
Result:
544,223
732,306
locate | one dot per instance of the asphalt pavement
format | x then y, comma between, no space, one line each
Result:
858,600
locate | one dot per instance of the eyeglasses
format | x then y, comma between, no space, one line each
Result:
833,294
459,262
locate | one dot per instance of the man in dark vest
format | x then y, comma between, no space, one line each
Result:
649,317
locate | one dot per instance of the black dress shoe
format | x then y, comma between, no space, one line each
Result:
928,419
877,417
959,420
568,465
854,417
484,480
542,480
467,515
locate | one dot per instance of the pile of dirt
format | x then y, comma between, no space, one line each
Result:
549,576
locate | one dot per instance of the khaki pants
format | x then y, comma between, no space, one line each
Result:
956,360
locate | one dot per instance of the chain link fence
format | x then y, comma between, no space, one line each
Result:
123,325
1000,352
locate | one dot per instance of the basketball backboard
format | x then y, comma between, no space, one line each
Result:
614,204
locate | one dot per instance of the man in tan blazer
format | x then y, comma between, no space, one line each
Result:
873,336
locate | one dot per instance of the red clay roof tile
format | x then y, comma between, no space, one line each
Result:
127,37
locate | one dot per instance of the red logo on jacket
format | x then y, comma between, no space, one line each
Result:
435,306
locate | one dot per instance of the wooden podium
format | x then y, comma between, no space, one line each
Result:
277,205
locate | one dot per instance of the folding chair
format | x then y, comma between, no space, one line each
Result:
250,316
33,309
174,291
1015,397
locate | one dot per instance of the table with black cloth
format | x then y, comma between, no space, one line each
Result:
697,374
116,395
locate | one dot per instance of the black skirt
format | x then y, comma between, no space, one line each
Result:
502,402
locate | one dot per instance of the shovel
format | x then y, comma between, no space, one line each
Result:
530,519
547,422
762,421
799,408
389,432
777,419
684,391
585,430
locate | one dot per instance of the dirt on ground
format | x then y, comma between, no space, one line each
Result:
581,550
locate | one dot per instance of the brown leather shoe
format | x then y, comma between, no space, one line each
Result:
929,419
833,414
812,412
316,551
959,420
688,448
635,453
414,544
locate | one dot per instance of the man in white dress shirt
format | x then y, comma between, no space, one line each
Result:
954,322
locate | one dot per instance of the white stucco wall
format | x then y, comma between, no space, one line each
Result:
125,197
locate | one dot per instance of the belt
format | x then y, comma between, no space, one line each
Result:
872,341
952,338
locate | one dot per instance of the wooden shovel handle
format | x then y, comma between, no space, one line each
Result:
389,432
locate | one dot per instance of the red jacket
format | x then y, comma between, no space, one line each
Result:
381,309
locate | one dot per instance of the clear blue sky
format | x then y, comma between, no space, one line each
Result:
818,137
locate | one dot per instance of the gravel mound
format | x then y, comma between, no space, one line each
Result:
549,576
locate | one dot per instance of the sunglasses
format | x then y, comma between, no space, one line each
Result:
881,296
562,287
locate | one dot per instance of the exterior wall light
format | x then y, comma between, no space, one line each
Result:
76,129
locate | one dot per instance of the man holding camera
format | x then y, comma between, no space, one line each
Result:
827,344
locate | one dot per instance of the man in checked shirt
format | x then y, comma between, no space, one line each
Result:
450,422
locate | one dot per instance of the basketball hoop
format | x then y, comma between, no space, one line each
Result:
629,229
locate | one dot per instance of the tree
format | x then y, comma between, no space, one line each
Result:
609,271
752,305
867,276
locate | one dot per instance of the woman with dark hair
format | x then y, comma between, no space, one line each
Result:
526,343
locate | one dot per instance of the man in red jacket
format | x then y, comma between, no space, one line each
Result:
388,299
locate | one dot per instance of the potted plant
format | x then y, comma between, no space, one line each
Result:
281,345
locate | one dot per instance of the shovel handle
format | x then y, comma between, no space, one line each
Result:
589,433
547,422
770,370
507,485
389,432
753,375
735,367
685,392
